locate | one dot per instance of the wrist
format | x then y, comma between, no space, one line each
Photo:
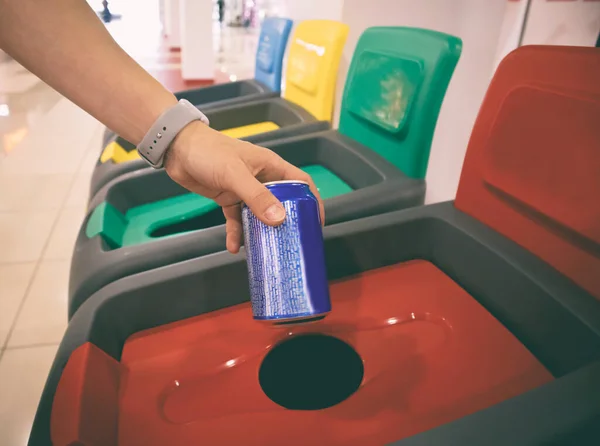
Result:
132,116
178,150
179,157
163,132
151,113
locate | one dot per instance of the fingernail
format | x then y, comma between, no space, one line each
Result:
275,213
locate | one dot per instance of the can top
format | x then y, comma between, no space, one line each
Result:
275,183
285,182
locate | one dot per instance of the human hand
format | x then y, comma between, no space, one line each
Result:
230,171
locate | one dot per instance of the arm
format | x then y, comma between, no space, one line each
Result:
68,47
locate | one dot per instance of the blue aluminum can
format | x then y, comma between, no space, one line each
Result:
286,264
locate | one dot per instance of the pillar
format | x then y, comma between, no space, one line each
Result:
172,28
196,37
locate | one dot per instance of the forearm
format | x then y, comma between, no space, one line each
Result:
83,63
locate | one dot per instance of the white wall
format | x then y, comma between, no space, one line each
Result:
298,10
478,23
512,26
549,22
172,24
563,23
197,53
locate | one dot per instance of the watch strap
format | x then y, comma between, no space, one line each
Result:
155,144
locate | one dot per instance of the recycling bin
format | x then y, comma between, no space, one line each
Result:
465,322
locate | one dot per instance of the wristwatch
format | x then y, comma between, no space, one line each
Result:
155,144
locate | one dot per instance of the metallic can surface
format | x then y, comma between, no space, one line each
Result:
286,264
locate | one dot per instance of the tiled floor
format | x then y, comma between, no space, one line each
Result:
42,200
48,148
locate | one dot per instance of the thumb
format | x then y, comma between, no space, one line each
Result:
259,199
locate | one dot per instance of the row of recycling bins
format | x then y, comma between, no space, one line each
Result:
475,321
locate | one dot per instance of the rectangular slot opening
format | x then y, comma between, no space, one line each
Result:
204,221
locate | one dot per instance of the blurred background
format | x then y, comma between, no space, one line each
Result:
48,146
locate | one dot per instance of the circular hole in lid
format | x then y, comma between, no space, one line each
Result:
311,372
